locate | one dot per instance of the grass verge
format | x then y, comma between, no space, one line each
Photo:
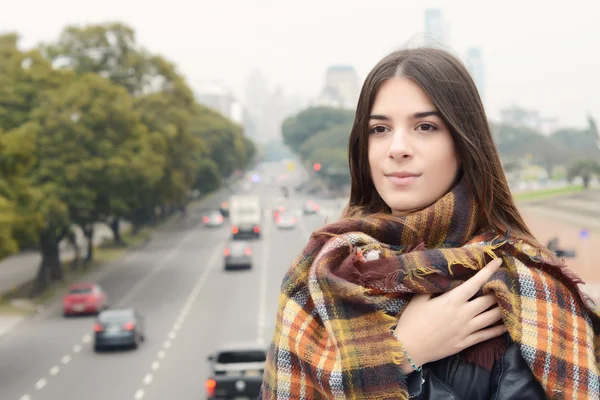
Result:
19,302
545,194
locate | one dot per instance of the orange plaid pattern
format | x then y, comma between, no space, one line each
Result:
345,292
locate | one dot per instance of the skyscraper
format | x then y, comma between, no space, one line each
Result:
341,87
476,68
437,29
257,92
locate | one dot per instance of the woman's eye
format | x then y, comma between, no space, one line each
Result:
378,129
426,127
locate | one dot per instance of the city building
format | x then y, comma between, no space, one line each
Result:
218,97
341,88
474,61
519,116
437,29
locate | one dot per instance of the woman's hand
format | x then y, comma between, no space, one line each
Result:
433,328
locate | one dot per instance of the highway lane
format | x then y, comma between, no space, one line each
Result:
45,350
233,307
114,374
191,306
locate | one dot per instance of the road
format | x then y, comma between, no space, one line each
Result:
191,306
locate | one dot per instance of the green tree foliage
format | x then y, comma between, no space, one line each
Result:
584,168
320,135
94,128
298,129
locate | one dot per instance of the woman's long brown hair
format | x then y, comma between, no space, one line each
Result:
451,89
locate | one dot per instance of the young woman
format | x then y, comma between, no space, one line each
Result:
431,286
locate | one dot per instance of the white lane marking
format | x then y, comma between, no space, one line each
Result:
39,385
87,338
193,295
177,326
262,291
164,262
148,379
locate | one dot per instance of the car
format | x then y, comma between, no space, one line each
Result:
213,219
224,208
278,211
286,221
84,298
310,207
238,255
237,371
245,217
119,328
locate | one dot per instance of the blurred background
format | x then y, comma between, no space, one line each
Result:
161,166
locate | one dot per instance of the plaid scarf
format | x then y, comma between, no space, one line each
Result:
345,292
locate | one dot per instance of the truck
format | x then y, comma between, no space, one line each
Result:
245,216
237,371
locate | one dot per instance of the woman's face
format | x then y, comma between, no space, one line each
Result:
412,156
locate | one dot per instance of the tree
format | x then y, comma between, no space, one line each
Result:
300,128
517,142
163,99
39,215
583,168
94,148
109,50
334,137
223,139
334,162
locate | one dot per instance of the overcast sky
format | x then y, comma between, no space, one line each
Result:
541,54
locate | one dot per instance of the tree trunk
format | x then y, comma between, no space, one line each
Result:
88,232
50,269
115,226
76,262
549,167
586,181
135,228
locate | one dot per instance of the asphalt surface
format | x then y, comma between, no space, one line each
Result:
190,303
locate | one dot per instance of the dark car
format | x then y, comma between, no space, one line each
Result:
238,255
224,209
119,328
237,371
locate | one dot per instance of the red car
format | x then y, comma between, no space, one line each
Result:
84,298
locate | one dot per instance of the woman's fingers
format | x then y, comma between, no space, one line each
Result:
470,288
483,335
485,319
480,304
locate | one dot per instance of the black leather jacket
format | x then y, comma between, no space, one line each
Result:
453,379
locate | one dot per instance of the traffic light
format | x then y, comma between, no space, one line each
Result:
317,167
